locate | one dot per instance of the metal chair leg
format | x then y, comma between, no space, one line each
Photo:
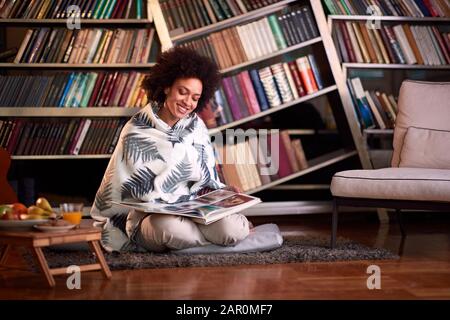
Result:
334,223
398,213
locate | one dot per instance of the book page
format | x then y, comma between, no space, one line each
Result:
216,202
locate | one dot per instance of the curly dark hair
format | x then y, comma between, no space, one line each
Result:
179,63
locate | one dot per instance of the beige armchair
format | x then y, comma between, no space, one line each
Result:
419,176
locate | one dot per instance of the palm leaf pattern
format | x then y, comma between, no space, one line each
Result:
201,151
142,121
103,197
131,247
183,198
216,175
119,220
206,176
181,172
106,238
139,184
178,133
135,146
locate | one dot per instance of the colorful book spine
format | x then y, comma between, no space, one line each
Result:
259,90
282,83
315,71
270,87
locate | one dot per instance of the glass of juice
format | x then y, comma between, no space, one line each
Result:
72,212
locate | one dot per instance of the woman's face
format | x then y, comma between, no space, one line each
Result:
182,98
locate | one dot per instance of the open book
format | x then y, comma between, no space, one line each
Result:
205,209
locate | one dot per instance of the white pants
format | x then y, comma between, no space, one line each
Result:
159,232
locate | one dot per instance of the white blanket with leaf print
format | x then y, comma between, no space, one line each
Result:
153,162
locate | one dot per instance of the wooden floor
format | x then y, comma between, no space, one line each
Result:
422,272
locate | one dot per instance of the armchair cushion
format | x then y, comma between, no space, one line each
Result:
423,105
393,184
426,148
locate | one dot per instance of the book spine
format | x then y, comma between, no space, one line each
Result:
270,87
259,90
297,79
315,71
250,92
303,66
281,82
290,79
231,98
281,43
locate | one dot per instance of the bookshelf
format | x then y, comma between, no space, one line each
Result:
321,46
376,140
44,168
47,66
273,55
401,71
273,110
389,18
254,14
329,91
84,22
314,165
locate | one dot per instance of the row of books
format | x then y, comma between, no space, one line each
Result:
399,44
406,8
87,45
253,91
250,41
61,9
60,136
374,109
73,89
297,24
186,15
247,165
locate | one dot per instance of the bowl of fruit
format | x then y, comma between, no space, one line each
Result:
17,216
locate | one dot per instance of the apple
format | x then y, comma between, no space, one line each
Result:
19,209
6,212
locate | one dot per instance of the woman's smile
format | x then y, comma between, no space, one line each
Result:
181,109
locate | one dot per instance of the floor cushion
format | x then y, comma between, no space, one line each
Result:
261,238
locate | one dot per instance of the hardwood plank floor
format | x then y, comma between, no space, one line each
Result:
422,272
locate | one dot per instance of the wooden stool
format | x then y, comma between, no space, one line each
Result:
37,240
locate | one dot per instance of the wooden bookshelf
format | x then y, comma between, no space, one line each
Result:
48,66
272,55
62,157
343,68
338,75
331,90
67,112
252,15
83,22
346,66
390,18
349,65
379,131
306,132
314,165
273,110
79,112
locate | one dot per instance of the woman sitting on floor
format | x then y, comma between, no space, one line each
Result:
164,154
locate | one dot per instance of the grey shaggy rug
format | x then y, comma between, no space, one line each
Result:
294,249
